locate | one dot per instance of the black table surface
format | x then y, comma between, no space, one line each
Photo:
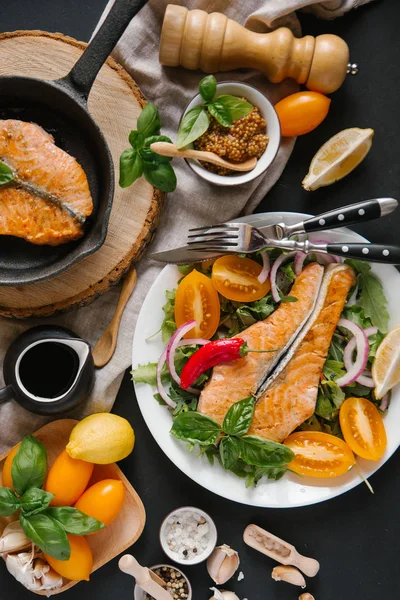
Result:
355,536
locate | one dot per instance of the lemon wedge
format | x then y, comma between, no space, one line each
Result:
338,157
101,438
386,367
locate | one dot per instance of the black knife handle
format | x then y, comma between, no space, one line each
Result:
351,214
370,252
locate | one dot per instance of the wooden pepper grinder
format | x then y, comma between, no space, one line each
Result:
195,39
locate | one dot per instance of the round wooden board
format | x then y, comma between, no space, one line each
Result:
115,103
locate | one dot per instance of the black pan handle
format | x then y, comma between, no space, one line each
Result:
370,252
6,393
84,72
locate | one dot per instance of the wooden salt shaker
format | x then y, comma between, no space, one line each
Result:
195,39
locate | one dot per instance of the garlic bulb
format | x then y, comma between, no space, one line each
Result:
33,572
13,538
288,574
222,564
223,594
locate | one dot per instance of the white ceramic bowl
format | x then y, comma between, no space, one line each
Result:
139,594
212,538
235,88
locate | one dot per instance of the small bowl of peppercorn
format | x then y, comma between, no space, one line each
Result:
176,583
256,134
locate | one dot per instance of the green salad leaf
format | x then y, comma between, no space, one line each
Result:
229,451
264,453
238,418
196,428
371,295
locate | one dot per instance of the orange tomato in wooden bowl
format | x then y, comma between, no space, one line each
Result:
68,479
6,477
80,563
302,112
103,500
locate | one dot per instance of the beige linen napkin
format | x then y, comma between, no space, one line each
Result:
193,203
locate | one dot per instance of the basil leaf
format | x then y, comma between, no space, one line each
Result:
238,418
196,428
208,87
29,466
221,113
373,301
161,176
264,453
149,121
73,520
229,450
6,174
35,500
136,139
46,533
130,167
9,503
194,123
156,138
152,157
236,107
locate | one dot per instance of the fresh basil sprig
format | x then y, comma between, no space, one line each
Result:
225,109
73,520
34,501
48,534
140,160
6,174
248,456
9,502
29,466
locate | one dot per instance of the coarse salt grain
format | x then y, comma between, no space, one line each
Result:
240,576
187,534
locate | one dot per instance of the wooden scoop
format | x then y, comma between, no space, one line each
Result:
279,550
145,578
105,346
167,149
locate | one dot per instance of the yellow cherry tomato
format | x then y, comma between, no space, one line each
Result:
68,479
236,279
196,298
103,500
362,427
79,565
302,112
6,477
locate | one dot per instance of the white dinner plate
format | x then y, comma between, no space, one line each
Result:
290,491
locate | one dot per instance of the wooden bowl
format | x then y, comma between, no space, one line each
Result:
124,531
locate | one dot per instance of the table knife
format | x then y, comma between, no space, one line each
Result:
340,217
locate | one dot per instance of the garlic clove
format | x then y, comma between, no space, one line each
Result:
34,573
222,564
306,596
14,538
289,575
223,594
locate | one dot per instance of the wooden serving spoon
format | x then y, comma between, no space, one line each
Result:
105,346
145,578
167,149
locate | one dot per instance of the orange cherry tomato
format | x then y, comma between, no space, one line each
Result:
236,279
362,427
319,454
6,477
103,500
68,479
196,298
302,112
79,565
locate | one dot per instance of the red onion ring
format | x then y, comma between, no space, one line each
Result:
263,276
274,288
357,368
384,403
364,378
299,262
172,346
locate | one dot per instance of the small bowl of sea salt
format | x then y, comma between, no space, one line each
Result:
188,535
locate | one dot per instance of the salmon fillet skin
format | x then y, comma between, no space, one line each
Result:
291,397
49,199
233,381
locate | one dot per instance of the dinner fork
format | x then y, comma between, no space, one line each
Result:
240,238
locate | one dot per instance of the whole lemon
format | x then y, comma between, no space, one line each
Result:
102,438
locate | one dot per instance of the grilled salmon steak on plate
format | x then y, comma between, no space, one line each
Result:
233,381
49,199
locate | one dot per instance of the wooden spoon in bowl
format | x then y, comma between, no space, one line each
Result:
167,149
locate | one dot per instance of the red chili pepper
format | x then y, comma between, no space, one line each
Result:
211,354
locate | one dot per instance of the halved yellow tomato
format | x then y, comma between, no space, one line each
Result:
319,454
196,298
236,279
362,427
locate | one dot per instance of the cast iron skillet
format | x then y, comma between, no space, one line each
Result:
60,107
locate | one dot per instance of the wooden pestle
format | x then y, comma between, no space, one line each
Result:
195,39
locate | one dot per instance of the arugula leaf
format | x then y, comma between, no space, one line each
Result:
373,301
149,122
29,466
9,502
130,167
194,123
229,450
34,501
237,107
238,418
73,520
48,534
145,374
258,473
208,88
168,325
196,428
324,407
264,453
333,369
359,266
6,174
